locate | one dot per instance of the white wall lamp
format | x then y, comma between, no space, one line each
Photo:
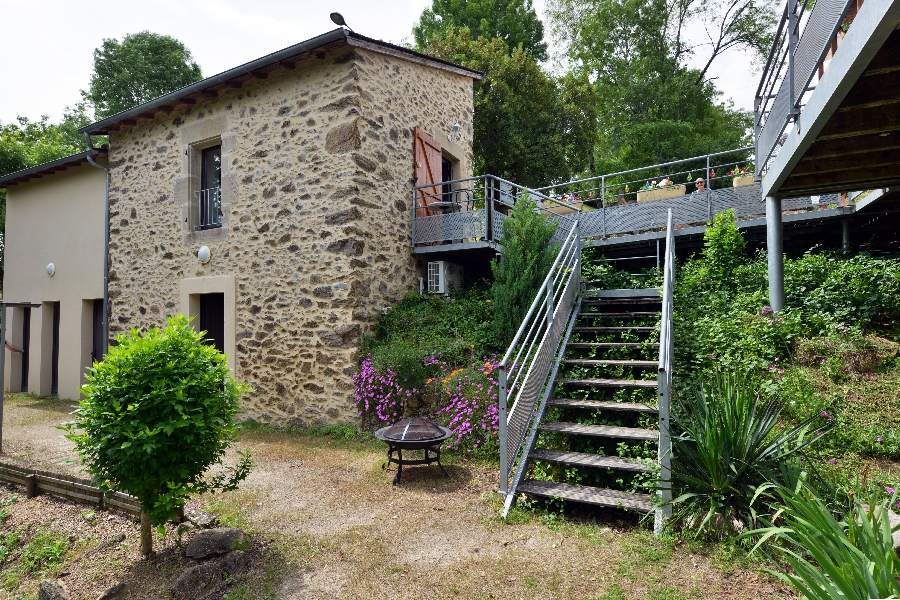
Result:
203,255
456,133
51,269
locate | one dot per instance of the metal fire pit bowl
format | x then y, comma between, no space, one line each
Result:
414,433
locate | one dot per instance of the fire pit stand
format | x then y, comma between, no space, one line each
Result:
414,433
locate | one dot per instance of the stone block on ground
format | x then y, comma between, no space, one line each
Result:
213,542
51,589
115,591
200,519
202,579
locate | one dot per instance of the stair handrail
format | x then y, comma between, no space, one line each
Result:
664,382
526,369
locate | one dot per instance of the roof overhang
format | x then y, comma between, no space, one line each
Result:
289,58
48,168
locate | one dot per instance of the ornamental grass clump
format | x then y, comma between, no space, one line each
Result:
158,412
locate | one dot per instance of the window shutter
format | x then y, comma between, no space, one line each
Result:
428,171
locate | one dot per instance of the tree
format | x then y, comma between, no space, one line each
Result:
654,107
513,21
141,67
157,413
526,257
529,127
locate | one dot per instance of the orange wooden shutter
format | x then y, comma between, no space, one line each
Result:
428,170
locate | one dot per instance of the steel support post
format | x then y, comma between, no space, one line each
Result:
2,367
603,202
845,235
504,466
775,249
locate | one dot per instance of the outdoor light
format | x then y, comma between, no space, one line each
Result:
51,269
456,133
338,19
203,255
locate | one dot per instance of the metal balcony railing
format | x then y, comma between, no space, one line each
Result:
807,30
209,208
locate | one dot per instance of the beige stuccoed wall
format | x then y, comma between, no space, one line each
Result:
55,219
316,236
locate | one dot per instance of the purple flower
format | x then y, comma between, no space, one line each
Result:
878,439
889,490
831,462
767,311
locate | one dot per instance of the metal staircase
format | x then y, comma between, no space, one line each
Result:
602,405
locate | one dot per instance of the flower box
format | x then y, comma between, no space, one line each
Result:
560,209
743,180
657,194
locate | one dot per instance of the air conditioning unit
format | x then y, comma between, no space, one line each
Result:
444,277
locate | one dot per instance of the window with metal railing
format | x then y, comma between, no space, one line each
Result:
209,197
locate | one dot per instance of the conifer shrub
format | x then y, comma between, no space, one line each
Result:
526,257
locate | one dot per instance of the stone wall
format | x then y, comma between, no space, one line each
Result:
316,229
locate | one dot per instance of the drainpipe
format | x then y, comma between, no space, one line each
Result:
104,345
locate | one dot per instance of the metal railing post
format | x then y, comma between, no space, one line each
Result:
413,241
603,202
708,182
549,309
504,466
792,46
2,365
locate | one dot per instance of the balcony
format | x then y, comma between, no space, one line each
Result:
209,209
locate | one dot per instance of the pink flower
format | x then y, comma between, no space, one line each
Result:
889,490
878,439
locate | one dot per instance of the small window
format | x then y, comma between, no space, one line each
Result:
210,194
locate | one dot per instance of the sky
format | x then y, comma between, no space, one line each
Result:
46,49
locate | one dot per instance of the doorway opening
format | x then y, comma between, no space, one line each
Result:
212,319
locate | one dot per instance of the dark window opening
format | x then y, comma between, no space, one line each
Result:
97,332
212,319
54,352
446,175
26,346
210,194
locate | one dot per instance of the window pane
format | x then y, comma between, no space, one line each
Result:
211,176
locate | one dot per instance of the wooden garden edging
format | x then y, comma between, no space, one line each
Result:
65,486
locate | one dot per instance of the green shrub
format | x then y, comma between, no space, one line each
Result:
157,413
850,557
46,551
526,257
723,250
725,445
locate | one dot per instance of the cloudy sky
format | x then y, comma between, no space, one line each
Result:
46,49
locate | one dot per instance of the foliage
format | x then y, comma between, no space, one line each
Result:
141,67
603,274
653,107
530,128
460,327
158,412
513,21
526,257
46,551
726,444
723,249
849,556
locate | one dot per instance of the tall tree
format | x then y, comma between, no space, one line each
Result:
529,127
513,21
141,67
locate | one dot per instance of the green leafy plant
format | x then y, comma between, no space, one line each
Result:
723,249
46,551
848,557
527,256
726,444
158,412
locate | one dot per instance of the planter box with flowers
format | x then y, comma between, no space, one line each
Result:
663,189
742,176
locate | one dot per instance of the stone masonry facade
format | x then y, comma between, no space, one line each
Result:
316,191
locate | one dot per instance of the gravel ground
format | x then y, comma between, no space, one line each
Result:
327,523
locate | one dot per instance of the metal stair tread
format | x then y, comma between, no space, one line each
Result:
597,404
583,459
624,293
620,315
630,433
611,362
636,328
613,344
587,495
602,382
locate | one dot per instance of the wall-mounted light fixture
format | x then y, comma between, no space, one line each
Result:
51,269
456,133
203,254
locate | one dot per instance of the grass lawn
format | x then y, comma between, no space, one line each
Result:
327,523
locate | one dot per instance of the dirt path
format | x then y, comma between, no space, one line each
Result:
327,523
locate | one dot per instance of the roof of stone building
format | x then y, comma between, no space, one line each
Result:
259,69
48,168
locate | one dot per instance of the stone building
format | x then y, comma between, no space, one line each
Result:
273,203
